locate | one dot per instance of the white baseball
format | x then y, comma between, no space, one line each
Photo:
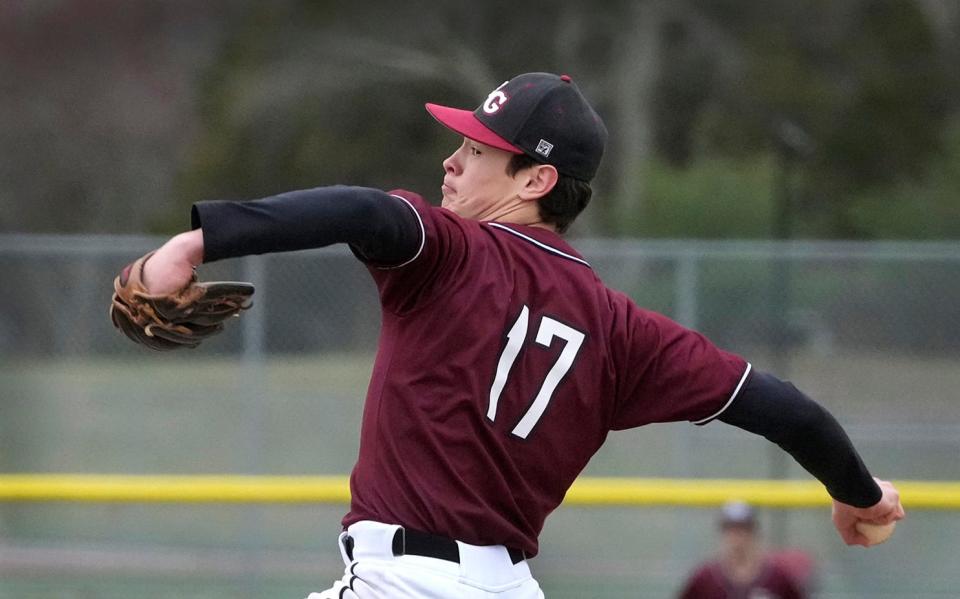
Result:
875,533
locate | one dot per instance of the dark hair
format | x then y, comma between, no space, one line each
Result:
564,202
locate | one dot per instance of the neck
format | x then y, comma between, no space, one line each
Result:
743,565
525,214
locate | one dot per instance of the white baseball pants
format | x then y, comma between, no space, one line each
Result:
376,573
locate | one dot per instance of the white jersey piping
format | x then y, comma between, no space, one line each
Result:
540,244
423,236
732,397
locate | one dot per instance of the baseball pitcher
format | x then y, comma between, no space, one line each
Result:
503,360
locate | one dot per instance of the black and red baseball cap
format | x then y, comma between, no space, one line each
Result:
538,114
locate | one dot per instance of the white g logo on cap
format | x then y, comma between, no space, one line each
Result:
495,100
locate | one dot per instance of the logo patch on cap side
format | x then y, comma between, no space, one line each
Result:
544,148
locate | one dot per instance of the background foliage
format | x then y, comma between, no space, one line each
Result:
727,119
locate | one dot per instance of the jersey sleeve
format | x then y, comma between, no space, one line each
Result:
672,373
442,254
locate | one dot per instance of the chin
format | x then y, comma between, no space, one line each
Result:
450,205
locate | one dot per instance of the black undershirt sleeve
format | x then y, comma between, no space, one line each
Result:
778,411
380,228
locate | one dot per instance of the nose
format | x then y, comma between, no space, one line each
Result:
451,165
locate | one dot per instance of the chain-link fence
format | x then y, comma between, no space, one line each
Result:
870,330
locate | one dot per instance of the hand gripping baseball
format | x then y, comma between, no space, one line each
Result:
165,321
885,512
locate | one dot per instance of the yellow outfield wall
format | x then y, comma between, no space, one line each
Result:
588,491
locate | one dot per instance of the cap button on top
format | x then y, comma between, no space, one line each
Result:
565,78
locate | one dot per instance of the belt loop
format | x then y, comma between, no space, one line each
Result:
400,541
517,556
348,544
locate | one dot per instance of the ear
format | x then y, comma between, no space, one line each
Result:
540,180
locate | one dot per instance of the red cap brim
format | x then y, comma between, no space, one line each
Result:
466,124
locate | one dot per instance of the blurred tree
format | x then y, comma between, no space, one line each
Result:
93,98
864,79
890,126
636,62
306,94
106,111
925,207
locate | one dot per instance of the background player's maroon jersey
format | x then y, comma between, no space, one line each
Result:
503,363
711,582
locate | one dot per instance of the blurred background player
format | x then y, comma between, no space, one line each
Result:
744,568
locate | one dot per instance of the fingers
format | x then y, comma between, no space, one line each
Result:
853,537
887,510
846,525
845,522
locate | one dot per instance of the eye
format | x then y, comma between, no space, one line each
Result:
475,151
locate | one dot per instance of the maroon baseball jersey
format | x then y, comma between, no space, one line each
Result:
503,362
710,581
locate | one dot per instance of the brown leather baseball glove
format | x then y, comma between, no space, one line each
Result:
182,319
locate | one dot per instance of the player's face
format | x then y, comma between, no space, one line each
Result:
738,540
475,182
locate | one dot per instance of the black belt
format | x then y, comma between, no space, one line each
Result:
414,542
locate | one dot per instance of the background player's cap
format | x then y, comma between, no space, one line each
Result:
538,114
737,513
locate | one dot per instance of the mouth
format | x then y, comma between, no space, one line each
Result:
447,189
